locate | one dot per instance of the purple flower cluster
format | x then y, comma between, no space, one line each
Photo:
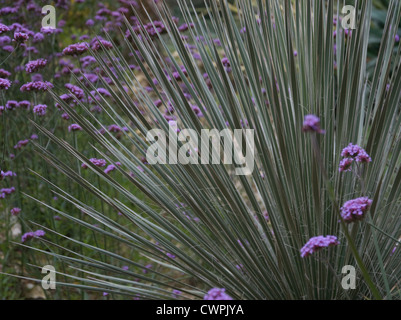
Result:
217,294
100,44
355,210
76,49
316,243
5,84
24,104
74,127
345,164
350,154
35,65
96,162
8,174
145,270
20,37
77,91
15,211
6,192
357,153
32,234
4,73
36,86
226,64
110,168
40,109
12,104
312,124
3,28
21,143
176,293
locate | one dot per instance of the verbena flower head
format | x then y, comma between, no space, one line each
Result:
21,143
24,104
96,162
32,234
9,174
77,91
110,168
97,45
3,28
40,109
7,191
345,164
316,243
4,73
312,124
20,37
36,86
5,84
356,209
12,104
176,293
15,211
76,49
356,152
217,294
35,65
74,127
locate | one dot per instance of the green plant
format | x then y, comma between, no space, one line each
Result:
270,89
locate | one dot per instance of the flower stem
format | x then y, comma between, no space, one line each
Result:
365,273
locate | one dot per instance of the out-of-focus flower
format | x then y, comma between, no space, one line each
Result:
217,294
15,211
100,44
170,255
110,168
74,127
226,63
40,109
21,143
9,174
96,162
176,293
6,192
38,37
36,86
24,104
5,84
76,49
20,37
3,28
35,65
147,267
77,91
12,104
312,124
4,73
32,234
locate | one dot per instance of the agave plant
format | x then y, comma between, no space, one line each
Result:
203,225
